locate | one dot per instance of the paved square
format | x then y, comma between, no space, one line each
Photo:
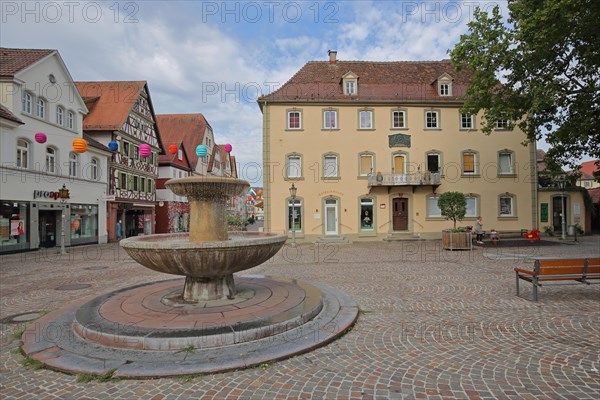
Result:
434,324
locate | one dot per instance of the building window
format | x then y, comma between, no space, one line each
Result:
330,119
399,163
366,164
295,215
398,119
27,102
126,149
587,184
444,89
136,152
94,169
330,166
150,185
366,214
350,87
433,162
14,225
135,183
294,120
40,108
123,181
431,119
73,161
84,221
502,124
505,163
50,160
471,207
22,153
180,154
467,121
433,210
469,161
60,116
142,184
70,120
365,119
294,166
507,208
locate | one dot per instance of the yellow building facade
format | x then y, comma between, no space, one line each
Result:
370,146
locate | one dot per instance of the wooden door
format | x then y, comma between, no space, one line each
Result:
400,214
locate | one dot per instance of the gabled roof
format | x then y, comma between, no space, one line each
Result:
182,128
406,81
6,114
109,102
14,60
589,167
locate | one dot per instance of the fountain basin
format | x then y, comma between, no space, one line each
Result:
175,254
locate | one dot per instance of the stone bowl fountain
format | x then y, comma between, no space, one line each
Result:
155,329
209,255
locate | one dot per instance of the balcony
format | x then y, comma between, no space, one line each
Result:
413,180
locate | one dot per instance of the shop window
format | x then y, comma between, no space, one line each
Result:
366,214
84,222
14,225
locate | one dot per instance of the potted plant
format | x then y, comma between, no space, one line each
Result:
453,207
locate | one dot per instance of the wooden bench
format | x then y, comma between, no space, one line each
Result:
560,272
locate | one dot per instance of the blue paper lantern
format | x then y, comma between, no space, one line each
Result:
201,150
113,146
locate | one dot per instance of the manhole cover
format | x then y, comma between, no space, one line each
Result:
74,286
23,317
95,268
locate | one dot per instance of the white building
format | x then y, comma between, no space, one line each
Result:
38,95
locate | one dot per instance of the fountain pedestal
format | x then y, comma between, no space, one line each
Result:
206,289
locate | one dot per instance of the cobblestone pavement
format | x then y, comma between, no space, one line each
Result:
433,324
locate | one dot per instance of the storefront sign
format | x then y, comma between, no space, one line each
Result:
49,195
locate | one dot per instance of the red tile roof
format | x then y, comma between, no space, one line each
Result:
589,167
109,103
410,81
181,128
15,60
6,114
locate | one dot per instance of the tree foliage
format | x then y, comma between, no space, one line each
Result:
453,206
541,69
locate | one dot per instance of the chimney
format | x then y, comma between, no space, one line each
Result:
332,56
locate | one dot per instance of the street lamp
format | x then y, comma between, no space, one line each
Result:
562,181
64,195
293,190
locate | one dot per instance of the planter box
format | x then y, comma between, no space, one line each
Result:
457,240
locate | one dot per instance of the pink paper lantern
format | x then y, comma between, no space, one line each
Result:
40,137
228,148
145,150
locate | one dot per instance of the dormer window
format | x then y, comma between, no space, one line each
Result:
444,85
350,83
444,89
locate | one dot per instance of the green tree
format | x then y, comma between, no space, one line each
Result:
540,69
453,206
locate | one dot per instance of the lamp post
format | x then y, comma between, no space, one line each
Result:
293,191
64,195
561,184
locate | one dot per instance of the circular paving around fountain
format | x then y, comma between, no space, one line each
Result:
149,331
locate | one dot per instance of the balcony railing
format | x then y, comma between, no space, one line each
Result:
410,179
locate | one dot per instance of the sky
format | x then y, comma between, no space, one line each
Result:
218,57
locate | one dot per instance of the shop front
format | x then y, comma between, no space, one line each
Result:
50,217
130,219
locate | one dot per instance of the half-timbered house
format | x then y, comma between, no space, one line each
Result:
122,112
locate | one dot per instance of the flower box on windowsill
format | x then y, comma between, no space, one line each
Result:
457,240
